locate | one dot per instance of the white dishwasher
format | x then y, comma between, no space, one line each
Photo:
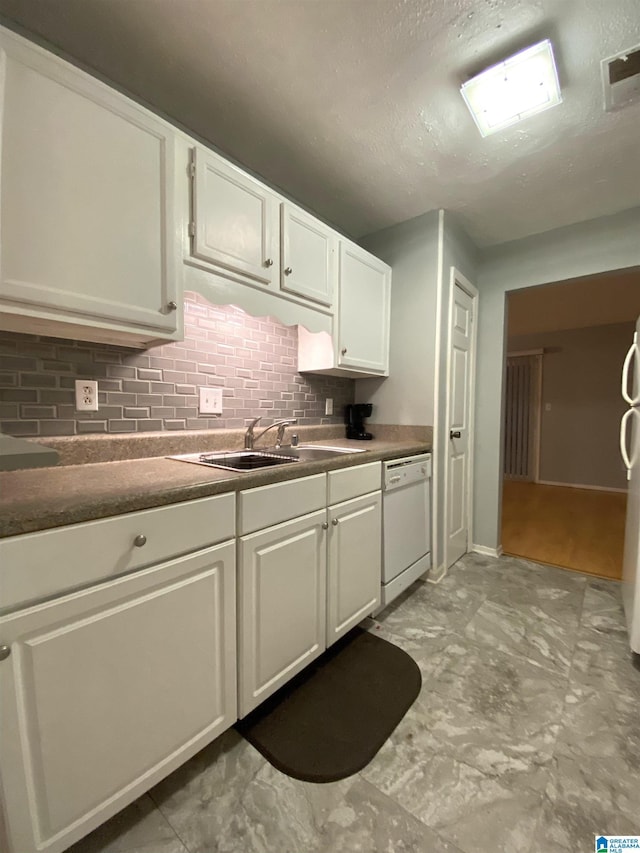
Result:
406,523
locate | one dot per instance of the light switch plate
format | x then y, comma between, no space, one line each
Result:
211,401
328,406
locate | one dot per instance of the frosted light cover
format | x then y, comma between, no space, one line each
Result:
519,87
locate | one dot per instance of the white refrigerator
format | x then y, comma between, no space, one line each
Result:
630,450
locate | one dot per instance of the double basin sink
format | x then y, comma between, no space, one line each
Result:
250,460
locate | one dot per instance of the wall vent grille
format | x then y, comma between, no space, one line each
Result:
621,78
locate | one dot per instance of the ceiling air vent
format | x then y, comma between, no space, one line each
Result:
621,78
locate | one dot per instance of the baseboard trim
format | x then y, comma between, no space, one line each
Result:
487,552
579,486
437,574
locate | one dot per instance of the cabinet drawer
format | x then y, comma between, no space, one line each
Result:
109,689
38,565
273,504
348,483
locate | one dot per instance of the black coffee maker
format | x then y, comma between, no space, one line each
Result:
354,415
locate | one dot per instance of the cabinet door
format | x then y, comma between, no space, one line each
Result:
309,258
86,200
353,581
363,311
108,690
281,605
235,219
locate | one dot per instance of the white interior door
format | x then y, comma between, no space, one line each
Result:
461,373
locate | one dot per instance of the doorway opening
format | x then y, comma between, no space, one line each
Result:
564,484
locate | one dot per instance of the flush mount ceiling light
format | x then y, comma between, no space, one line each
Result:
519,87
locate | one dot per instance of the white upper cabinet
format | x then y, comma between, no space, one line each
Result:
362,333
359,345
235,219
86,206
309,256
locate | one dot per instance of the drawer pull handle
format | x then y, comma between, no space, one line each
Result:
5,651
172,306
335,521
325,525
140,540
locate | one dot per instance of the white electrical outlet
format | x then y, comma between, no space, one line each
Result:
86,395
211,401
328,406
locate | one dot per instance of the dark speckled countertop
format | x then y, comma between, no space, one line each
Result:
39,499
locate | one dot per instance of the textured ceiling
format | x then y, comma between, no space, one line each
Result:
352,106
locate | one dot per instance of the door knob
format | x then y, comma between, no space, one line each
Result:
334,521
5,651
455,433
288,271
268,262
140,540
325,525
343,351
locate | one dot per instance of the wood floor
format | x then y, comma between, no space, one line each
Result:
578,529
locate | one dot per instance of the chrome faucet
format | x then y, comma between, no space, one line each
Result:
250,439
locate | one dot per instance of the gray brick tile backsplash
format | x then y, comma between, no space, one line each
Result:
9,411
85,427
251,359
21,427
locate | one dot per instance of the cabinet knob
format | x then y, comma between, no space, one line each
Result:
325,525
172,306
268,262
5,651
140,540
343,351
334,521
288,271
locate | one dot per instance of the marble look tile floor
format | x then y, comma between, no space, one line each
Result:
525,738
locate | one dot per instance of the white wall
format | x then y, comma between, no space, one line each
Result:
581,388
421,252
588,248
406,396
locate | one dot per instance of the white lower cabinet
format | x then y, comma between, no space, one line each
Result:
105,691
148,655
281,605
304,583
354,565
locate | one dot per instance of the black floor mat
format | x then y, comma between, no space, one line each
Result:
330,720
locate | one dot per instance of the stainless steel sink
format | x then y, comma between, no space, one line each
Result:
239,460
316,452
252,460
